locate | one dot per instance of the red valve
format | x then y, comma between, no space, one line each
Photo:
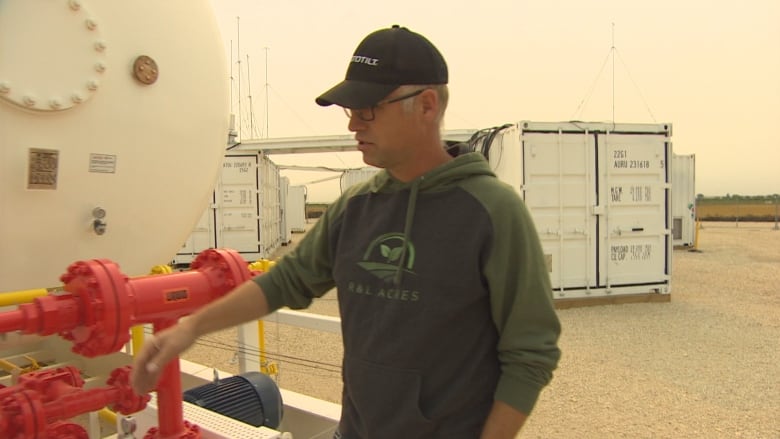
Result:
41,401
50,384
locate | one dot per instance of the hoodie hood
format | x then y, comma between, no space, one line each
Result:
440,178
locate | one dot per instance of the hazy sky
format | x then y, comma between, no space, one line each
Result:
709,67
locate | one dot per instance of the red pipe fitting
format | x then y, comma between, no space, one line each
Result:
96,310
42,400
100,304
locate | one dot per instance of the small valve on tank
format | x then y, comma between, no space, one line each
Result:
98,224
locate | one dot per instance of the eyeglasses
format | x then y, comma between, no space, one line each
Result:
367,114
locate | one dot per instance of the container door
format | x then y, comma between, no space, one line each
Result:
559,190
296,209
238,222
635,221
270,208
284,227
683,200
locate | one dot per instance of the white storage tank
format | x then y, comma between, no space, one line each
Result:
351,177
245,214
683,200
296,209
599,196
106,108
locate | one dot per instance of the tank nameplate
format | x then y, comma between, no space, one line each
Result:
102,163
42,168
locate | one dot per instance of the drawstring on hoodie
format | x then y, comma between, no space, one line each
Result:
461,167
410,207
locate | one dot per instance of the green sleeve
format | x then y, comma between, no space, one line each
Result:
306,272
521,300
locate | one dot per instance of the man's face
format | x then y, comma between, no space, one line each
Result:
387,141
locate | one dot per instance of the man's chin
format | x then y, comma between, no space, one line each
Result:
369,160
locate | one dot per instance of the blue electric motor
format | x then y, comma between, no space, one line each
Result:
252,398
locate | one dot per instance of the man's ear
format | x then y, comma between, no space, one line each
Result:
429,102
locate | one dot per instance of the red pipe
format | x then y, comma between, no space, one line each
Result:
99,306
11,321
169,402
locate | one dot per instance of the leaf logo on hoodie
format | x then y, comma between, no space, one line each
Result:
387,255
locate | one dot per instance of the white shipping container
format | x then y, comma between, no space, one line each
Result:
245,214
683,200
599,197
270,207
284,189
296,209
351,177
202,237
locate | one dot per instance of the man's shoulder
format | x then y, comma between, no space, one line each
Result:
500,199
489,186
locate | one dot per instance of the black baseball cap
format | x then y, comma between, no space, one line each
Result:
385,60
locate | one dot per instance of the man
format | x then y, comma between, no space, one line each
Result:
448,324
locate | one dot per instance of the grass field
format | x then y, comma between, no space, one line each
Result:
737,211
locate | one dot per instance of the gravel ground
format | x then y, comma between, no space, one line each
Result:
705,365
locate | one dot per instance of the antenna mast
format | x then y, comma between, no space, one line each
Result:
231,75
238,56
251,107
232,134
613,72
612,53
267,134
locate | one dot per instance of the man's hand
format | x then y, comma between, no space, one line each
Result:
155,354
245,303
504,422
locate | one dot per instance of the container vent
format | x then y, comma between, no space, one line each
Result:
677,225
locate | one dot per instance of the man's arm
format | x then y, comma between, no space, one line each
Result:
245,303
503,422
522,309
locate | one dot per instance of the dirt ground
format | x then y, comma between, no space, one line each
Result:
704,365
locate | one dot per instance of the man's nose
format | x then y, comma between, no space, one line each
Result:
355,123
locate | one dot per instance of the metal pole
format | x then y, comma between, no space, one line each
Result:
776,227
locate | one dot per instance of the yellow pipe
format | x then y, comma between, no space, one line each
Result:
137,338
107,416
22,296
261,338
161,269
8,366
263,265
